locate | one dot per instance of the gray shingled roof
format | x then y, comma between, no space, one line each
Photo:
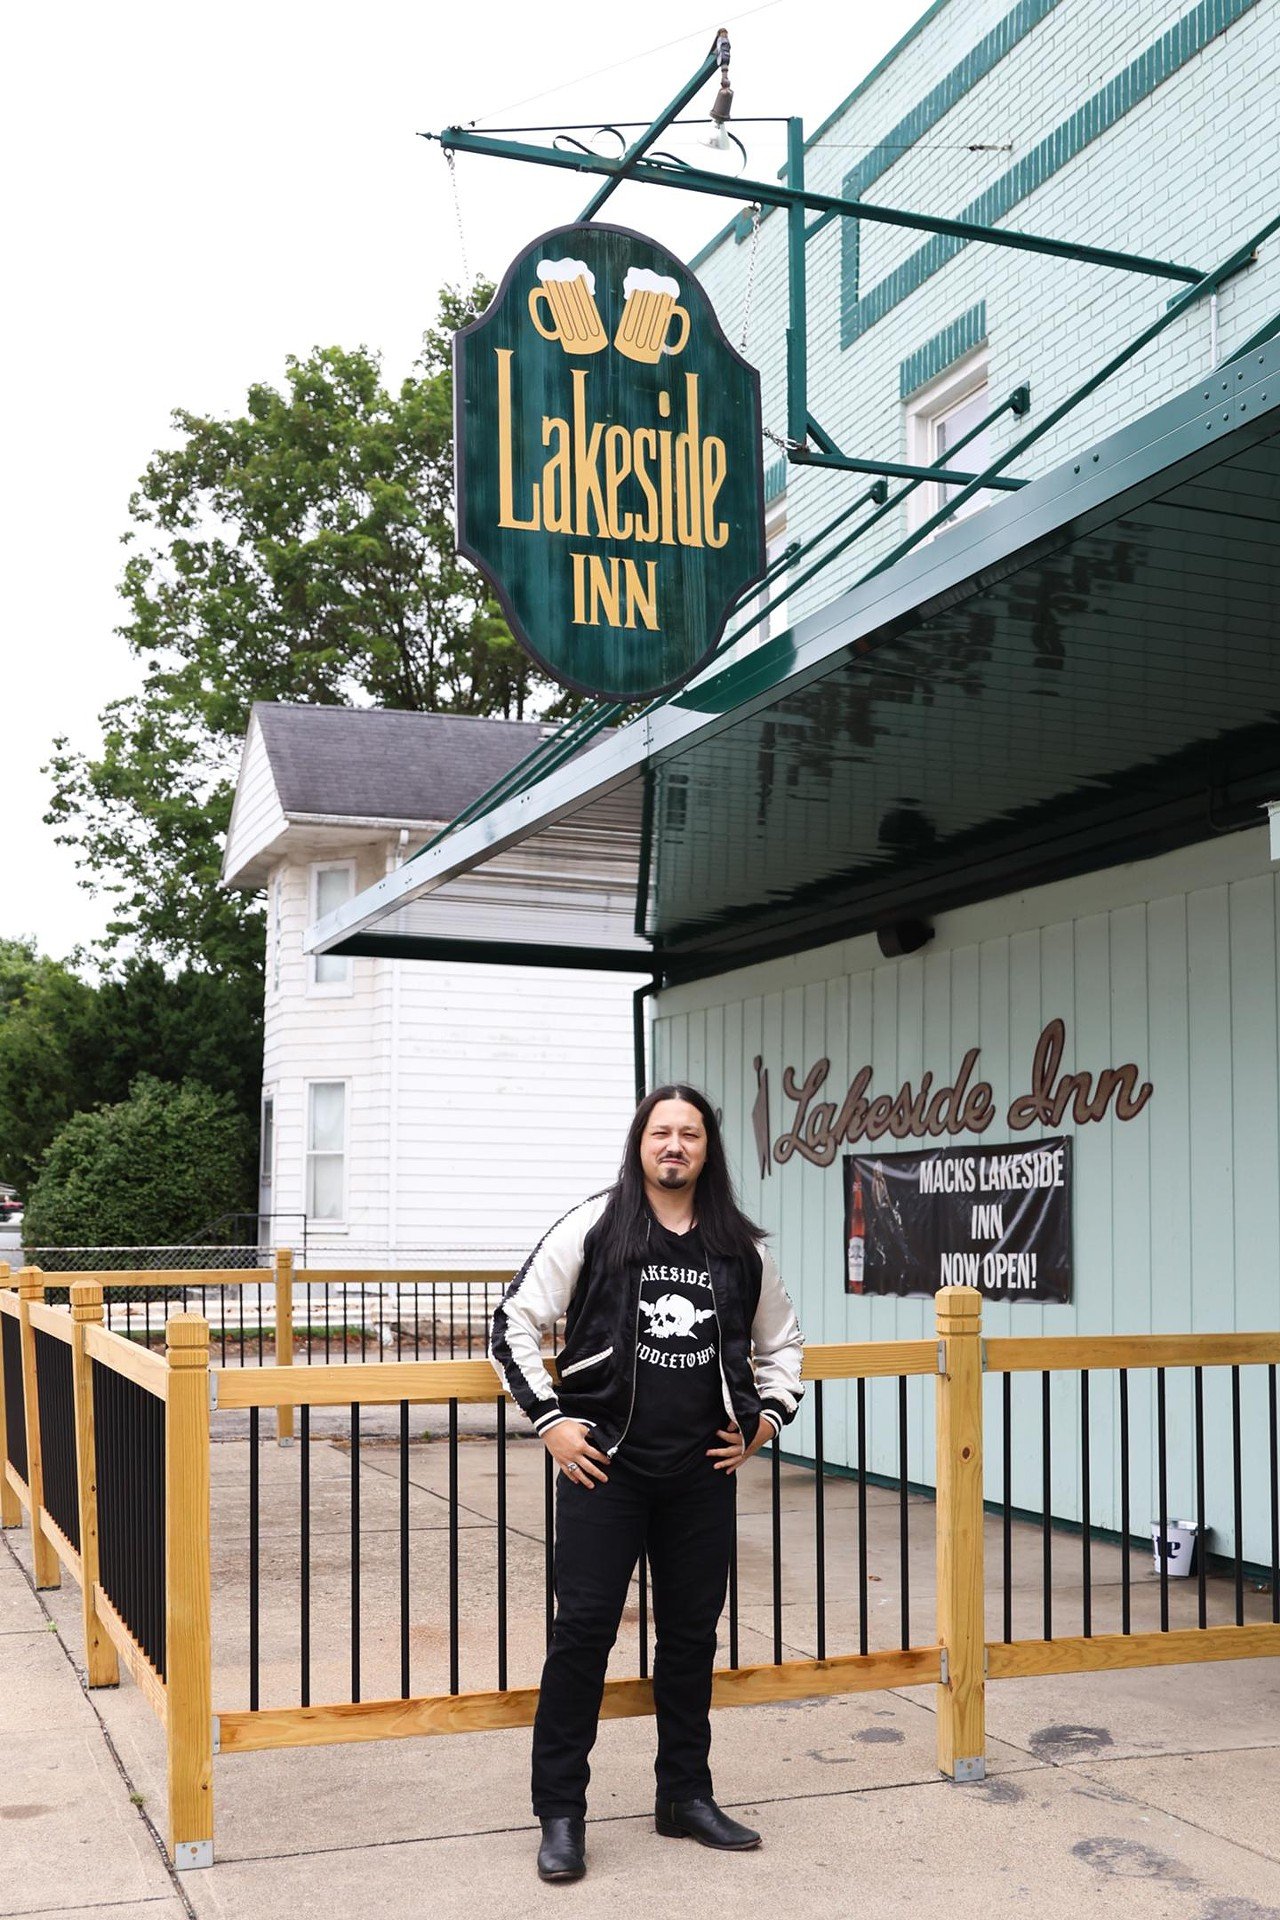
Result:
372,763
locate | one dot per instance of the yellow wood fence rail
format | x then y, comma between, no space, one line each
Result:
178,1383
959,1660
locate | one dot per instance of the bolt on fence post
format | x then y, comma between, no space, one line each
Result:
10,1505
284,1332
188,1633
102,1668
44,1560
961,1628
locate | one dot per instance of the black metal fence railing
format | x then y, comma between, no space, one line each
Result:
1160,1544
15,1417
373,1315
425,1551
129,1432
353,1321
55,1396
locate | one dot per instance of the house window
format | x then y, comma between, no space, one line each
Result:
267,1152
327,1149
938,416
332,885
775,545
277,910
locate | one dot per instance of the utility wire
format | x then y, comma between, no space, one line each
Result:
695,33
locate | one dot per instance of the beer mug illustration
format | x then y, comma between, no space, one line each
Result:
569,291
648,307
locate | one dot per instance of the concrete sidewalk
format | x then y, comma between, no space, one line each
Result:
74,1835
1146,1793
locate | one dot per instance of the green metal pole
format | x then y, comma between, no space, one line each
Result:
770,194
899,470
798,325
1017,403
1175,309
569,737
636,149
1267,331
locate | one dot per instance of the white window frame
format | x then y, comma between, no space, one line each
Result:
336,1224
267,1137
277,929
775,541
926,408
343,987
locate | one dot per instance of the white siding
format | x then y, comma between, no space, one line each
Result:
1171,963
516,1088
484,1102
313,1036
257,820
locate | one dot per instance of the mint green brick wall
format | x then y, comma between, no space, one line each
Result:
1180,167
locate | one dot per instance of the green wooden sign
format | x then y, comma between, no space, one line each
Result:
608,461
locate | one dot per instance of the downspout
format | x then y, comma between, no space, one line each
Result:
641,994
393,1087
640,1051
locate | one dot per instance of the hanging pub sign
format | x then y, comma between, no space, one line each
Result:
994,1218
608,461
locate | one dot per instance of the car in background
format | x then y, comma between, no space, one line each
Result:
10,1225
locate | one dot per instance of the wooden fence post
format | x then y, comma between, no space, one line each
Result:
10,1505
284,1332
44,1560
961,1626
101,1665
188,1633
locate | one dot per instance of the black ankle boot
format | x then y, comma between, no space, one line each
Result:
703,1821
562,1855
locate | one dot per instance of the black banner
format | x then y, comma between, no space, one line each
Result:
994,1218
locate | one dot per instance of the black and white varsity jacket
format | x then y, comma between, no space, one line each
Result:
760,1339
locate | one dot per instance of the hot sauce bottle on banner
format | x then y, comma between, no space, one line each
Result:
857,1252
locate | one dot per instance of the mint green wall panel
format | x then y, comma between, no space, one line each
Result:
1171,964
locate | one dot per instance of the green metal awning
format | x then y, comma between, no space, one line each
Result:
1085,672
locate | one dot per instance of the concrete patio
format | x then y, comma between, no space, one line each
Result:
1135,1793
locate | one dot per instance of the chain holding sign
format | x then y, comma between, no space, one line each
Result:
610,478
994,1218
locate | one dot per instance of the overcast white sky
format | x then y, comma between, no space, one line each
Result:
196,192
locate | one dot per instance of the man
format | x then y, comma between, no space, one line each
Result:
668,1298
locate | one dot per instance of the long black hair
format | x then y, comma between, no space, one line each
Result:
624,1225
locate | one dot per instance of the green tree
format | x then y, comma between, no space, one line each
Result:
67,1045
148,1171
45,1055
303,551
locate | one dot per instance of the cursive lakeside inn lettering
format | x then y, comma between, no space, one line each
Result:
652,485
610,482
966,1105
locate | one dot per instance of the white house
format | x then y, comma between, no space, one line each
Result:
422,1110
998,796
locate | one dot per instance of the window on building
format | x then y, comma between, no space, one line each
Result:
277,910
775,545
332,885
267,1148
939,416
327,1149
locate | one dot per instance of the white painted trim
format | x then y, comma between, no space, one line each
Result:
590,1361
318,1224
374,822
343,988
930,405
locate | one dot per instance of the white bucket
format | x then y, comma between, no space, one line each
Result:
1179,1547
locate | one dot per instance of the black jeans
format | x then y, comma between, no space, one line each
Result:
685,1524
